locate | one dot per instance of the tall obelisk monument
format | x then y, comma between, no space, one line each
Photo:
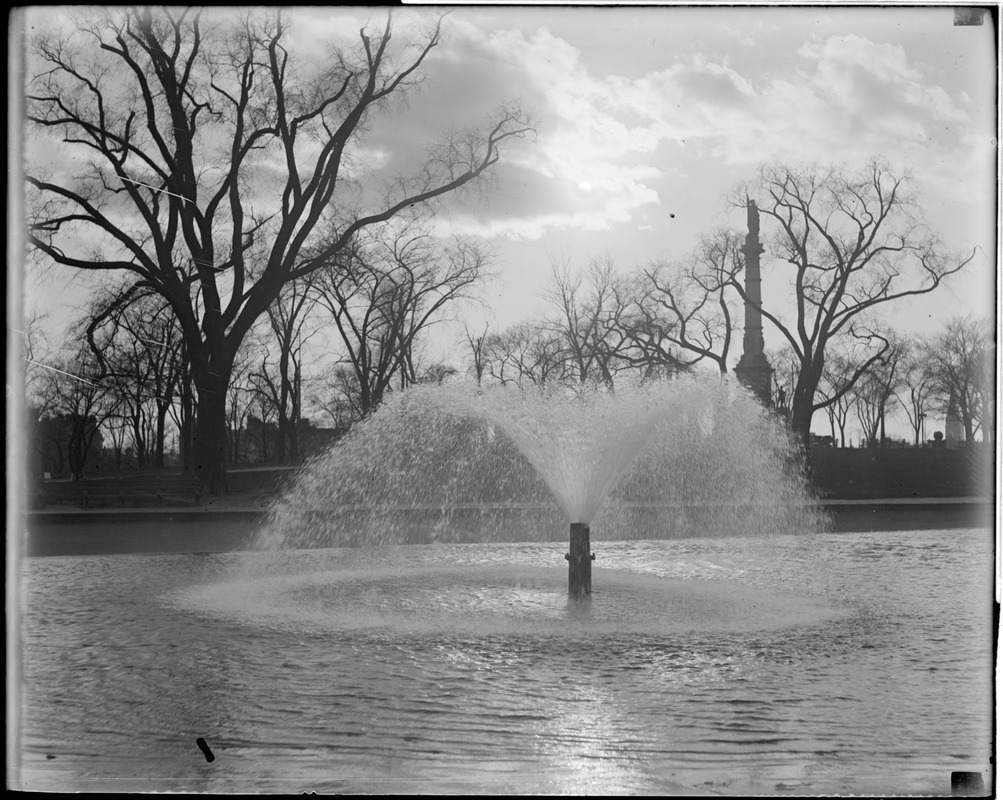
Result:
753,370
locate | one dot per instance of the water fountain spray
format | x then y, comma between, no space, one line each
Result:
581,442
457,463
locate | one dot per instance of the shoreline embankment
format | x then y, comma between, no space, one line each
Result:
229,527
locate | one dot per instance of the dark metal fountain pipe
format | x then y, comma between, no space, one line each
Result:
579,563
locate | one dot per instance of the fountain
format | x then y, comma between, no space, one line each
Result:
580,442
459,463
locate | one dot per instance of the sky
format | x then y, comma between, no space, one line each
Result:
648,117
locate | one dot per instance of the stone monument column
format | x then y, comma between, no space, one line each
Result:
754,370
954,430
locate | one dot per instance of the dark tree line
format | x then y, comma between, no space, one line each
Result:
131,357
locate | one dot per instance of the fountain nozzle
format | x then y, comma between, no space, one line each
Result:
579,562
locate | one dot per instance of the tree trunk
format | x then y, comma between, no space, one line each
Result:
186,427
969,430
283,405
801,413
282,433
968,421
73,457
158,453
137,436
77,450
211,434
294,441
366,399
185,436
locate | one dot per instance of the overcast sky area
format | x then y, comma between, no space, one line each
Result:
648,117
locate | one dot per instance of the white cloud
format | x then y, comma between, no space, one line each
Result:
587,134
854,98
838,98
851,98
529,226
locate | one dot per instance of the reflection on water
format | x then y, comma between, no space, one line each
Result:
858,664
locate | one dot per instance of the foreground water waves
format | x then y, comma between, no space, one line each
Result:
733,666
454,463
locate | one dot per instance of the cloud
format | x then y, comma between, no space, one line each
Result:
607,143
837,98
587,137
851,97
844,98
524,203
582,170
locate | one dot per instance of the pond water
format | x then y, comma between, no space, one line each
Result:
855,663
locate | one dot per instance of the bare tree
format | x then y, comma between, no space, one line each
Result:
875,389
35,349
956,358
339,396
179,122
329,395
125,372
590,310
839,369
916,387
182,412
437,373
137,341
528,353
387,290
81,402
650,332
854,243
39,395
478,351
118,428
242,393
786,367
688,306
281,383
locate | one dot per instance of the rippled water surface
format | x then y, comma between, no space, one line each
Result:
835,664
